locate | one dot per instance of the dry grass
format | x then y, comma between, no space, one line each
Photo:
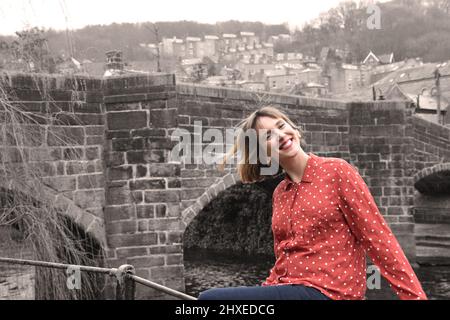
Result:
54,237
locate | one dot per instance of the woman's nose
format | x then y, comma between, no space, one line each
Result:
275,135
281,135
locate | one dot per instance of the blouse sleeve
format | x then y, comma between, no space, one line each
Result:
276,243
276,240
370,228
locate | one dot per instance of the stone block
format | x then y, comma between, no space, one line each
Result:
91,181
162,196
125,212
174,248
118,195
148,132
113,159
61,136
163,118
61,183
191,193
132,252
176,259
127,144
95,130
164,170
160,210
141,171
93,153
332,139
132,240
120,173
142,225
90,198
147,262
144,184
122,227
127,120
145,211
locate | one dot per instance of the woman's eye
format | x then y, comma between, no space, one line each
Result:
281,126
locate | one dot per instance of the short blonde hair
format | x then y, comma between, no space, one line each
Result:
248,172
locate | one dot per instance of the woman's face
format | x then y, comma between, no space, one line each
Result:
280,136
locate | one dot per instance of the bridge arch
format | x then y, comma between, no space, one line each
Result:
210,193
49,226
433,180
91,224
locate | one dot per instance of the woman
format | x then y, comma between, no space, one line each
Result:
324,221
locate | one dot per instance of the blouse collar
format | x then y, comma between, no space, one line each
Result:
308,174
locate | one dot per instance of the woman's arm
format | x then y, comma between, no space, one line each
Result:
371,229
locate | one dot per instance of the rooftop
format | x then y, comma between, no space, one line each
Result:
411,80
193,39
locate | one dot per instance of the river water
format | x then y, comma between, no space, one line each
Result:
208,269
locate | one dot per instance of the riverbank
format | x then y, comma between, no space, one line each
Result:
208,269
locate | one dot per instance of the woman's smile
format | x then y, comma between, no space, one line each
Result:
286,144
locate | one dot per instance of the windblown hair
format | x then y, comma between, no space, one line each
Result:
247,171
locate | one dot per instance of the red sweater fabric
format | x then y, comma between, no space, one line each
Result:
323,227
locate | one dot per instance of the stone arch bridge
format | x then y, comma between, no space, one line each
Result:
122,189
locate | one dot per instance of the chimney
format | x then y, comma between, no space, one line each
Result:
114,60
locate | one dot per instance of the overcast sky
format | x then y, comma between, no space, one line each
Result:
16,15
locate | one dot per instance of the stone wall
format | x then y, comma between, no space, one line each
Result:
121,186
431,143
16,281
381,148
143,190
374,137
66,119
432,209
431,158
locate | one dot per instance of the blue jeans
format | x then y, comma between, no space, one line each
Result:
275,292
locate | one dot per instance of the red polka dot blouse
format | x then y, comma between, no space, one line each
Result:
323,227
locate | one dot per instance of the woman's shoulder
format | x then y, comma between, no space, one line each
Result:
337,167
333,162
280,187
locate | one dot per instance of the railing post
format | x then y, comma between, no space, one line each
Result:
125,285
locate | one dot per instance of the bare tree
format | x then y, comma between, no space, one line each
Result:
155,31
25,204
32,51
442,5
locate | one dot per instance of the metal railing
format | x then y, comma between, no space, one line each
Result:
125,277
